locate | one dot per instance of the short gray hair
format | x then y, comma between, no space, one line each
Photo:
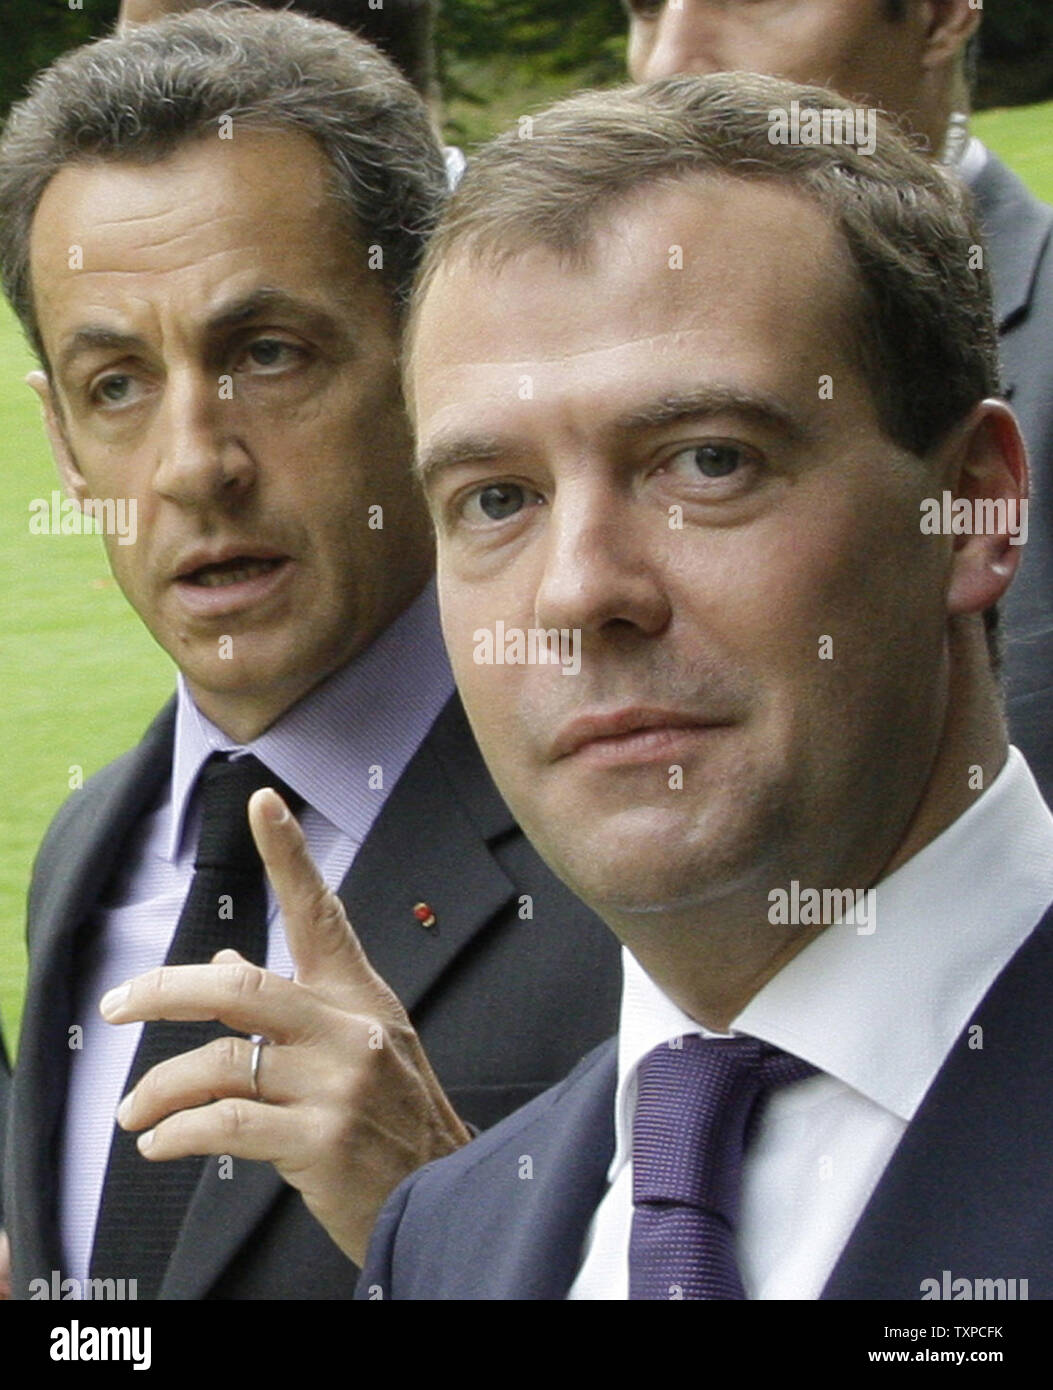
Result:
139,95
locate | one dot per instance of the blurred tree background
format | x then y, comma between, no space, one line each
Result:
36,31
499,58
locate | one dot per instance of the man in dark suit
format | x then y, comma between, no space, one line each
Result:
5,1097
911,57
762,468
209,226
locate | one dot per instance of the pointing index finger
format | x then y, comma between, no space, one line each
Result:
321,940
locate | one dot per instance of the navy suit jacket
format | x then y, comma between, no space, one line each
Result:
969,1188
1019,233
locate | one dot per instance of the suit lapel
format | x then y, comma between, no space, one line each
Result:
527,1191
428,844
968,1188
222,1216
569,1162
427,847
1017,228
67,893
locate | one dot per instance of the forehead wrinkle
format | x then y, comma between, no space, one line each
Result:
559,359
132,219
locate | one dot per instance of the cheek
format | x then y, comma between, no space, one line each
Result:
803,586
813,46
490,692
490,696
853,60
464,613
131,572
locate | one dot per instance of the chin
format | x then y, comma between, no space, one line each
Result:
641,864
666,889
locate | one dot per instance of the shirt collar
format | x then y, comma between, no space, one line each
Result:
962,151
372,713
972,162
881,1011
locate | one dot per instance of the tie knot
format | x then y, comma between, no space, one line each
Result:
225,785
696,1100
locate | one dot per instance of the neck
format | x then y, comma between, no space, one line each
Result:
244,718
246,712
713,970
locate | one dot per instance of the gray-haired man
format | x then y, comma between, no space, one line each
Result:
208,230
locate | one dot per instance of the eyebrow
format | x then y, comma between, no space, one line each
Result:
266,301
93,337
762,408
765,410
446,453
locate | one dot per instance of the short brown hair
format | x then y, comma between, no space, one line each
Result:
924,329
141,94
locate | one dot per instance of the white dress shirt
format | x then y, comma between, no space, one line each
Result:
973,161
367,719
877,1014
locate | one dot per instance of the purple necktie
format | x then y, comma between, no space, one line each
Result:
697,1101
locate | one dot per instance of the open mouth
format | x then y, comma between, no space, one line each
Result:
238,570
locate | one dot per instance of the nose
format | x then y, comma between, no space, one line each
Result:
679,40
602,570
202,459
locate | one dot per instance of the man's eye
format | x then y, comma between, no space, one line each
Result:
270,352
710,460
116,389
645,9
498,501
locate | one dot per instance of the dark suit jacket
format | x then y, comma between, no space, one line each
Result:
1019,232
969,1188
505,1005
5,1101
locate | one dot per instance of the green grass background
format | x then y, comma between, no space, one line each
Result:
81,676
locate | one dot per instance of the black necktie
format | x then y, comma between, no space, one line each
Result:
697,1101
144,1204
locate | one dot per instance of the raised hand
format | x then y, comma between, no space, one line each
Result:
341,1099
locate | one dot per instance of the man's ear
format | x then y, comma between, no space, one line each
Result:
988,469
71,477
949,25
